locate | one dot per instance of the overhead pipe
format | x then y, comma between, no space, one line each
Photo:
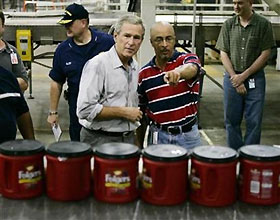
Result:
193,26
274,5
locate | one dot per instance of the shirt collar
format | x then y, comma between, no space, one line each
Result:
236,20
173,57
117,63
253,19
94,38
251,22
7,47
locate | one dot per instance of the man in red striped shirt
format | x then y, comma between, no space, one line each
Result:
168,90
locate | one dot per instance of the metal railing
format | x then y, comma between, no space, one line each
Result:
162,6
93,5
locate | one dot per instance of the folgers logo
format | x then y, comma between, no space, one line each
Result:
195,180
147,181
117,179
31,175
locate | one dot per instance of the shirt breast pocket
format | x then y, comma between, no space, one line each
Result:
117,87
253,42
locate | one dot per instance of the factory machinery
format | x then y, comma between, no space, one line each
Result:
37,24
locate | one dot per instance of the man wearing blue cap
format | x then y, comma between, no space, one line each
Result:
70,56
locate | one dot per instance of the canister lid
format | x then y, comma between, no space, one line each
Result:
260,152
116,150
21,147
165,152
69,149
215,154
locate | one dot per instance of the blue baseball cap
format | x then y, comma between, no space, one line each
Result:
72,13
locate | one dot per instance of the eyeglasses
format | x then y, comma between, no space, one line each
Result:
168,39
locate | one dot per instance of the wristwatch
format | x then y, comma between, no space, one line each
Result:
53,113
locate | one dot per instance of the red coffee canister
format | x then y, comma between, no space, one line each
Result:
21,169
213,175
259,176
115,172
68,174
165,174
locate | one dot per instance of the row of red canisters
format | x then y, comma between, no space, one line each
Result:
214,178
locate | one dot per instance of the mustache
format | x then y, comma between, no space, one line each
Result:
164,50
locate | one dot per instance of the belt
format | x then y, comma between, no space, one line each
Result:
110,133
178,129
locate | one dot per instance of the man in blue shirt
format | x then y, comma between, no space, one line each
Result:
70,56
13,109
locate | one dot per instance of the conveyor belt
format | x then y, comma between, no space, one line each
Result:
45,29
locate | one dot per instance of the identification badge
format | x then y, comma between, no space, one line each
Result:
252,84
14,59
155,137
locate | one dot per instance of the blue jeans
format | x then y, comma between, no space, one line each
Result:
187,140
249,105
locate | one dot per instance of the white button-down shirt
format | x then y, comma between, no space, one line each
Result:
106,82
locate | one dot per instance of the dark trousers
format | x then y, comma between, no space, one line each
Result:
96,138
74,127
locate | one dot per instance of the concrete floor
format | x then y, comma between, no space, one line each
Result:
43,208
213,133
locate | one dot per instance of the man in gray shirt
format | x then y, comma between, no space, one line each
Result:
10,59
107,101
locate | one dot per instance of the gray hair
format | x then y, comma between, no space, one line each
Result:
131,19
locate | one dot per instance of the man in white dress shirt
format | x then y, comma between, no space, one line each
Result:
107,101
